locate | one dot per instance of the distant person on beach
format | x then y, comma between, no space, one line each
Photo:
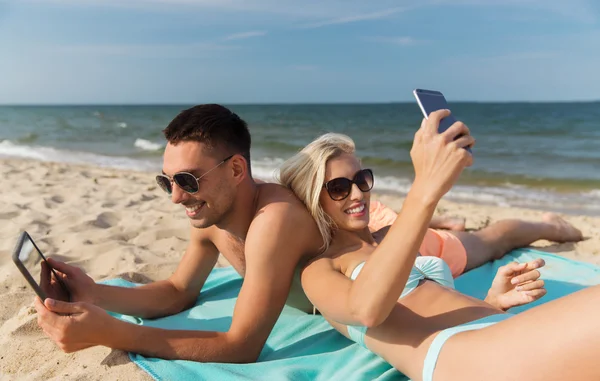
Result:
262,229
378,291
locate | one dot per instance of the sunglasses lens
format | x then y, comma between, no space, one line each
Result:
339,189
164,183
364,180
187,182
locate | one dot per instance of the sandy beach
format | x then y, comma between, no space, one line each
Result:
115,223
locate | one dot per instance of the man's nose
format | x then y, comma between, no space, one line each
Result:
178,195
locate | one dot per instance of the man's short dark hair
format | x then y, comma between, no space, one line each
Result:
213,125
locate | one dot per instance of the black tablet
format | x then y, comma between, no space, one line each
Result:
29,258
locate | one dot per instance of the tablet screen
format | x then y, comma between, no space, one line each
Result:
29,259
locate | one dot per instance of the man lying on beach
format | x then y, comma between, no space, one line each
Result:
262,229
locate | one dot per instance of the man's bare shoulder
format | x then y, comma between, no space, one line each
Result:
279,211
277,199
272,192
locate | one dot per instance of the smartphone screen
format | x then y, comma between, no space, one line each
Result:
430,101
37,271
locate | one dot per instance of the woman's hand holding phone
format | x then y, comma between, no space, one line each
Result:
439,158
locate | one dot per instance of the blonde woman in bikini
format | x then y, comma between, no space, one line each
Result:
378,291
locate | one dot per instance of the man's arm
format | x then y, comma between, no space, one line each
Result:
277,240
169,296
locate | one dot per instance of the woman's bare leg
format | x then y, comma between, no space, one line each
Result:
493,241
448,223
559,340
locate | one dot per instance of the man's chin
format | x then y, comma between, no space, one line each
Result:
200,223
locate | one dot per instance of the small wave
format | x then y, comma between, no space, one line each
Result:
122,125
524,197
10,149
266,168
594,193
147,145
393,184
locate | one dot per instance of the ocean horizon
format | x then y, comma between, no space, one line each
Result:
528,154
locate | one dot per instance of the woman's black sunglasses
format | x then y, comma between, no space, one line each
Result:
341,187
185,180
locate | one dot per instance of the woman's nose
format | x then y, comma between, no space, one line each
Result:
356,193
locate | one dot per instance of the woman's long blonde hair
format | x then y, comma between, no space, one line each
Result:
304,174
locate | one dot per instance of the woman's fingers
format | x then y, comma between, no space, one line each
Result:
464,141
526,277
433,121
511,269
536,294
530,286
455,130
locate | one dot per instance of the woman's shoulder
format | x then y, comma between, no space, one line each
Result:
338,258
380,234
324,257
328,259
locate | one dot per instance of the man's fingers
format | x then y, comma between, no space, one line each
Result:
528,276
44,276
38,304
433,120
43,314
60,307
61,266
530,286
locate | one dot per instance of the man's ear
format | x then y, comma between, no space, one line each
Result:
239,167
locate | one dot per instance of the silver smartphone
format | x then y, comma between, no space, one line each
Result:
430,101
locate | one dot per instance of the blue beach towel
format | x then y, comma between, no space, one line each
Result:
305,347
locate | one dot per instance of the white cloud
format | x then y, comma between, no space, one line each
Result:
357,17
138,50
394,40
244,35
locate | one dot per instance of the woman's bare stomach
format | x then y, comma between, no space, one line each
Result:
404,338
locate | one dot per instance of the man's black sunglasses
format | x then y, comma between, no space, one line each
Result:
341,187
185,180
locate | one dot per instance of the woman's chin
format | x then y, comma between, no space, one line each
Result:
355,225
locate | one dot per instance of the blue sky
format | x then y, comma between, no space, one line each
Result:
282,51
